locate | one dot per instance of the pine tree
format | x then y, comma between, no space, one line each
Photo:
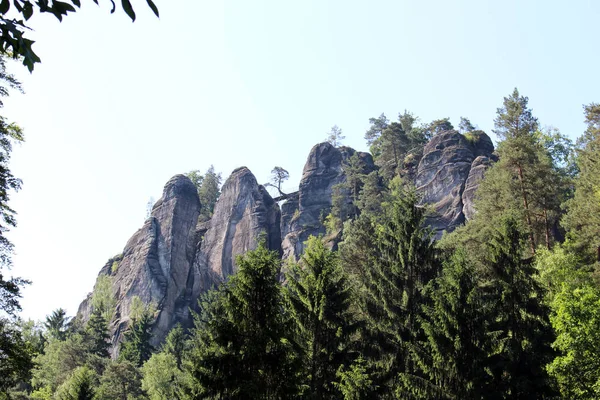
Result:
318,298
96,334
519,323
583,217
524,183
136,346
240,348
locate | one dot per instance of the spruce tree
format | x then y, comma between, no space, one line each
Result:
318,297
80,386
454,353
136,346
518,319
96,334
240,347
56,324
401,264
175,344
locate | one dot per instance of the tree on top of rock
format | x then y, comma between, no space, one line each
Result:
335,136
278,176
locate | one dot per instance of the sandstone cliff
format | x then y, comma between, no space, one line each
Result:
448,175
303,214
174,257
156,262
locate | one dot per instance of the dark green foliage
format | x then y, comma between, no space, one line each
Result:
240,348
136,347
13,39
175,344
15,356
582,220
518,325
439,126
456,347
526,183
80,386
96,334
318,297
400,264
120,381
208,186
397,146
465,125
355,382
56,324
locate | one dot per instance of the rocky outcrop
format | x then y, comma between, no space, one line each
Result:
244,213
175,256
156,264
478,168
304,216
448,175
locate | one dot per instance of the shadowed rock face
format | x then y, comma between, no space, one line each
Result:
244,213
156,263
303,216
448,175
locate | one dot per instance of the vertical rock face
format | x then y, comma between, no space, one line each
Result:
322,171
156,264
175,257
451,163
243,213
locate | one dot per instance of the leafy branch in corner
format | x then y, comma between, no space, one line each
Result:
13,31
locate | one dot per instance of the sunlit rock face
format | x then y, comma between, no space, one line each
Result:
175,256
448,175
303,214
156,263
244,214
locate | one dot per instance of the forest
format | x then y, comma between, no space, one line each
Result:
505,307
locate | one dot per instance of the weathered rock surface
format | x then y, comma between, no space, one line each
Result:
244,212
444,172
175,257
156,264
322,171
478,168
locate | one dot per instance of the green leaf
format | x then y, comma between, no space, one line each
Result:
77,3
27,10
128,9
4,6
153,7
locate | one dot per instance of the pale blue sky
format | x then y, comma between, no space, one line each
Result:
115,109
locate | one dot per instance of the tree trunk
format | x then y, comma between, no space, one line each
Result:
527,214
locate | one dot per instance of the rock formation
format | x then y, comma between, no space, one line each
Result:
303,214
448,175
244,213
175,256
156,264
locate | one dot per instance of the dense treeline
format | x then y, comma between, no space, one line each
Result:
506,307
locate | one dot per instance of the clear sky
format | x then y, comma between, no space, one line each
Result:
115,109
